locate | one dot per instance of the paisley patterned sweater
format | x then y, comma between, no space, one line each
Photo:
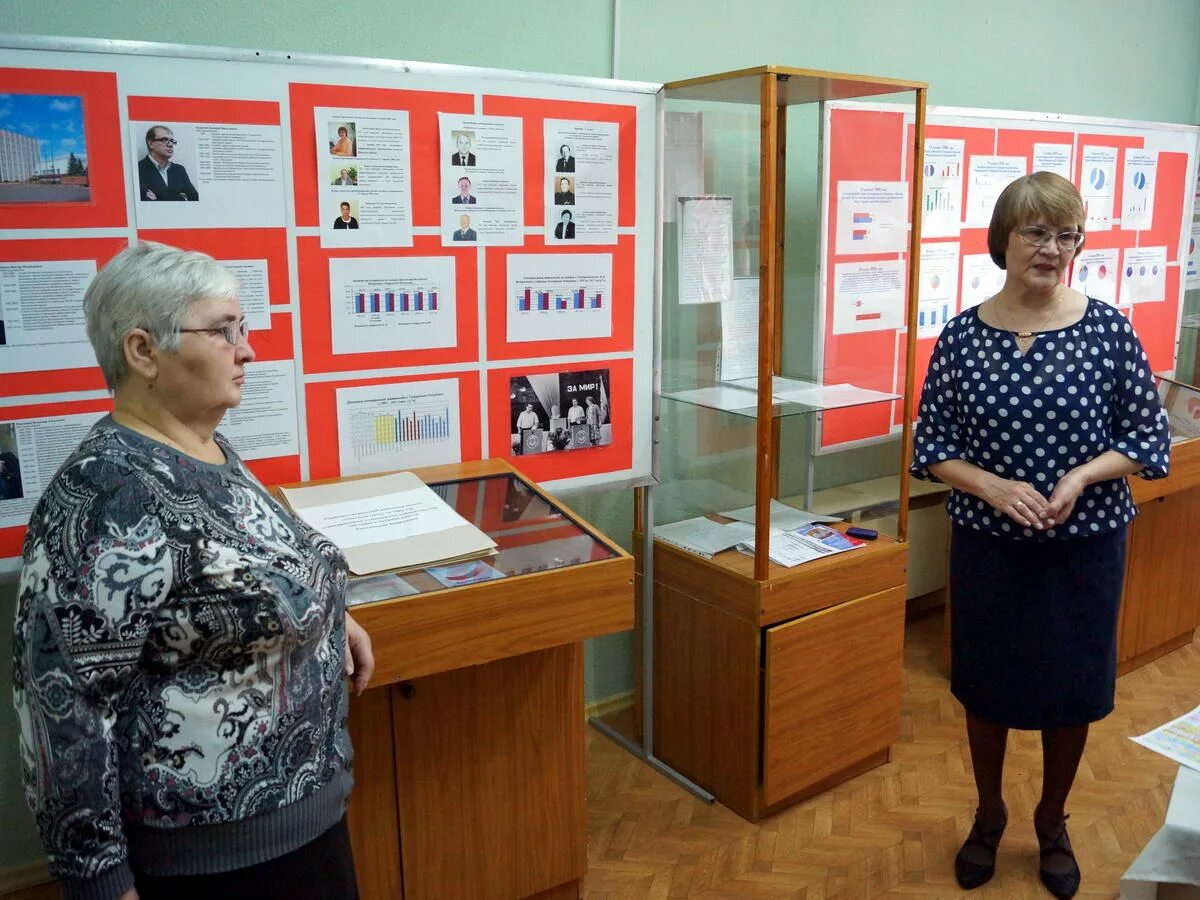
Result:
178,668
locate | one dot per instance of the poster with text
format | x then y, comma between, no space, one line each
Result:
1143,275
364,177
988,176
483,180
560,412
392,303
705,249
1054,158
264,424
937,299
1137,191
941,201
559,296
1095,274
41,315
253,294
580,181
872,217
981,279
1097,184
404,425
868,296
31,451
193,174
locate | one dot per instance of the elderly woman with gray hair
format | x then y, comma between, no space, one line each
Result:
181,637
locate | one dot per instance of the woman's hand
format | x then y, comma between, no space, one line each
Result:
360,659
130,894
1016,499
1066,492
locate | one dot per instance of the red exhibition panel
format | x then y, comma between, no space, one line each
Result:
1170,193
55,380
321,399
270,244
1156,323
11,538
275,343
317,335
422,107
199,109
534,112
556,464
498,303
102,150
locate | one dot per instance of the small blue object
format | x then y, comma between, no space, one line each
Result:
866,534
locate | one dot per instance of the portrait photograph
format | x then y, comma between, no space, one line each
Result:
342,139
343,176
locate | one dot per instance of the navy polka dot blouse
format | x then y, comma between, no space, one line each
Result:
1077,392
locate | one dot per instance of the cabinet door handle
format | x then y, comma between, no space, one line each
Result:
407,690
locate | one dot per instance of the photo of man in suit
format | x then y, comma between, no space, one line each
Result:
345,220
463,156
565,229
344,179
158,177
464,192
565,161
563,195
465,231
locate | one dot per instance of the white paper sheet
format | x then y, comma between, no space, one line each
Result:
392,303
1143,275
1137,190
872,217
937,299
488,209
783,517
236,170
739,332
558,296
253,293
868,296
405,425
941,203
1054,158
42,446
703,536
683,160
1097,185
373,147
41,307
1192,264
372,588
705,249
981,279
1178,739
264,424
386,517
719,397
988,176
1095,274
585,154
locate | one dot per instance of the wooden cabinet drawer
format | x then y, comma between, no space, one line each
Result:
832,691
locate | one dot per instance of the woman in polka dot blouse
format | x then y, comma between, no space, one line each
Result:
1037,404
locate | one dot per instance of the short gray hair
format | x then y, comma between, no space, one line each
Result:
149,286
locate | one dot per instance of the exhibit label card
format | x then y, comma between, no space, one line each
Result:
404,425
989,175
580,181
872,217
868,296
559,296
41,304
1054,158
364,177
392,303
483,180
1095,274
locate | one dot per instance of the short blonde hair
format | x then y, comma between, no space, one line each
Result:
1042,195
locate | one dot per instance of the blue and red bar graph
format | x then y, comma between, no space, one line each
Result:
393,301
530,300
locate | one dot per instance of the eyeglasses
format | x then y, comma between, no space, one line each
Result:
1037,236
233,332
164,140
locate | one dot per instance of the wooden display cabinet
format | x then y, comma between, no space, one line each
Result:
769,683
469,767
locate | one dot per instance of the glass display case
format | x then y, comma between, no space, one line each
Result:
786,384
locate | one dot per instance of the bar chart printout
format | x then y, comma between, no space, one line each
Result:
394,303
401,425
559,296
941,201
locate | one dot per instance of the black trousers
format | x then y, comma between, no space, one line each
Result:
323,869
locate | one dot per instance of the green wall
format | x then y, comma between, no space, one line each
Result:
1085,57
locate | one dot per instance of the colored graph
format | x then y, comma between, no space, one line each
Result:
939,315
1139,180
530,300
417,426
940,200
1097,178
369,302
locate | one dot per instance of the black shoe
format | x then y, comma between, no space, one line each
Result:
971,874
1062,885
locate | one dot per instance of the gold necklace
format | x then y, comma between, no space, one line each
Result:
1025,339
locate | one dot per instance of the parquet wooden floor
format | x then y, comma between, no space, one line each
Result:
892,832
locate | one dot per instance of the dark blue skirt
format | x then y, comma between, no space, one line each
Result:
1034,627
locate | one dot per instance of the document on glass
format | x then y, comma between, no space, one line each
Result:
783,517
705,249
1179,739
390,522
703,536
786,549
730,399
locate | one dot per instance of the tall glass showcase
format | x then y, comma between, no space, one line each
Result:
786,389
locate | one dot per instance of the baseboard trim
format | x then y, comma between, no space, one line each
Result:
17,878
609,705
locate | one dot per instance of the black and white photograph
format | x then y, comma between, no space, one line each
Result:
11,486
559,411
